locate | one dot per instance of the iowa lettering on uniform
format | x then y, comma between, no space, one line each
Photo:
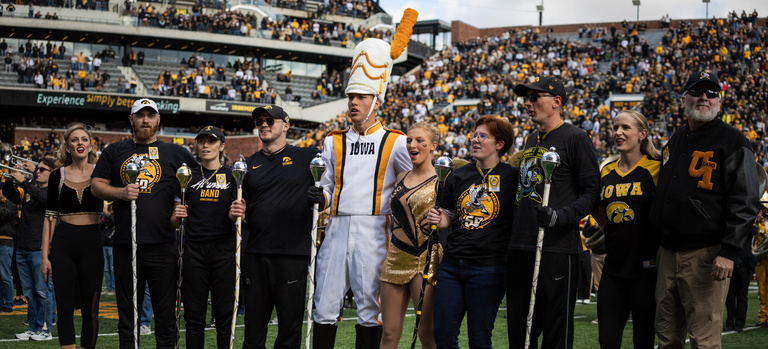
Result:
620,190
362,148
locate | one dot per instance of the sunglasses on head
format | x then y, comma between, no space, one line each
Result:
697,92
269,121
533,97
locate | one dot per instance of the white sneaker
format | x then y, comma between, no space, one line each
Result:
41,336
145,330
25,335
587,301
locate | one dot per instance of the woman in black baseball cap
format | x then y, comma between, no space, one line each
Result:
209,241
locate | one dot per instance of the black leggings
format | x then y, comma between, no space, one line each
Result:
77,257
617,297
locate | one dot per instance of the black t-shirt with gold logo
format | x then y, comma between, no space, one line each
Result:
483,210
157,163
630,243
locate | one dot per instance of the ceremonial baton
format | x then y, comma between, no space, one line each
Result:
131,172
317,167
184,175
443,167
238,171
549,161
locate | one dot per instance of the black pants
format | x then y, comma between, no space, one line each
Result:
208,266
155,265
617,298
584,281
280,282
77,259
736,301
555,299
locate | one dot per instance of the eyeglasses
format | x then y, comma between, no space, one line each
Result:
697,92
533,97
481,136
269,121
42,169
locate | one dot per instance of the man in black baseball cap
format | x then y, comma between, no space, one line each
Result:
279,218
548,84
703,210
273,111
704,80
577,180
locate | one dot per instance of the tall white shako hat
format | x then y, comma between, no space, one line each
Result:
373,59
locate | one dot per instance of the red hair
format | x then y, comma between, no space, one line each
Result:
500,129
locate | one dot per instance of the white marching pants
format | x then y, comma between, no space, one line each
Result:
352,255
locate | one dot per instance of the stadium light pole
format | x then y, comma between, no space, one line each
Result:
540,8
706,15
637,3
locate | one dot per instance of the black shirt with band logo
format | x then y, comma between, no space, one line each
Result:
208,197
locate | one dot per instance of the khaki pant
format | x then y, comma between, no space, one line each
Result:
688,299
762,288
598,261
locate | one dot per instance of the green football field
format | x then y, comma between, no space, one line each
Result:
585,330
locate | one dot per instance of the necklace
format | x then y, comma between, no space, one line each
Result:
540,137
486,174
202,173
269,153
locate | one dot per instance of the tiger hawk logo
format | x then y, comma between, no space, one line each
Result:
619,212
476,196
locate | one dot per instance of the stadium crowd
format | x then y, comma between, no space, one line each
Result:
488,68
245,24
604,62
37,65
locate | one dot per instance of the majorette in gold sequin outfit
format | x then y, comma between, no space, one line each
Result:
410,234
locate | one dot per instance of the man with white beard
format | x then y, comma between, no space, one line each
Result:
705,203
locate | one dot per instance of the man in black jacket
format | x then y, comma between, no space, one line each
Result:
9,213
33,203
706,201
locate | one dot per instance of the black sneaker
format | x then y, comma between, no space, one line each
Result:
212,324
761,324
6,310
19,301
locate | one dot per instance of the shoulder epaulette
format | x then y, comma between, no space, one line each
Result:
393,131
338,132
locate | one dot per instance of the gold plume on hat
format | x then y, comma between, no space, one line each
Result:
403,33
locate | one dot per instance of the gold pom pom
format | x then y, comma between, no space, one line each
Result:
403,33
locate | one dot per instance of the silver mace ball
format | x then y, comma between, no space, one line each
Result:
443,167
317,167
239,170
549,160
131,171
184,175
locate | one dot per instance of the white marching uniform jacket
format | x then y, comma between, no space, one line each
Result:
361,170
358,182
